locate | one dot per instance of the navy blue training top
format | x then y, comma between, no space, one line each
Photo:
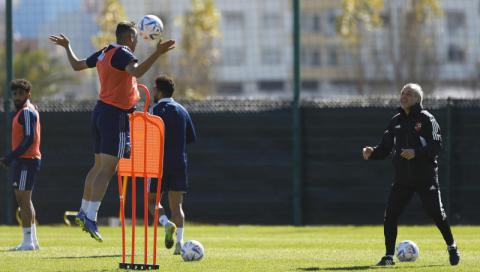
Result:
120,59
179,131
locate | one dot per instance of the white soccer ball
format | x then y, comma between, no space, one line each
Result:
150,27
407,251
192,251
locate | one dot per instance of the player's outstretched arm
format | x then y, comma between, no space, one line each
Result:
64,42
137,70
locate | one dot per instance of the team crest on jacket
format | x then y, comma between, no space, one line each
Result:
418,126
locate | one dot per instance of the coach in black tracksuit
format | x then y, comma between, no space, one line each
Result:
413,138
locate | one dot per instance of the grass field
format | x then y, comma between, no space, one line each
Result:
245,248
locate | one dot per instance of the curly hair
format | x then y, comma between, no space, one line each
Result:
20,84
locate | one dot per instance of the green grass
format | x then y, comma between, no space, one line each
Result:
244,248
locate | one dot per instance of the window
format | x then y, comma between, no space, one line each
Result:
271,86
332,56
309,85
316,23
233,56
310,57
271,55
456,54
331,29
385,20
455,21
234,36
315,58
347,57
233,20
310,22
230,88
272,21
304,22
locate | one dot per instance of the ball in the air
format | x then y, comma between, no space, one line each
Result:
150,27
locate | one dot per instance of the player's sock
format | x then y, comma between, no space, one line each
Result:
453,245
93,210
27,236
34,234
85,204
179,235
163,220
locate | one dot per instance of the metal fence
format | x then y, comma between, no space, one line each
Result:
294,56
242,165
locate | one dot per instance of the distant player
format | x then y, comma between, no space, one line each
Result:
24,159
117,70
413,138
179,131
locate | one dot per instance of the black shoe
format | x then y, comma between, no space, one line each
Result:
386,261
454,255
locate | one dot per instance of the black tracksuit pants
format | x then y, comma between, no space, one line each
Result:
400,196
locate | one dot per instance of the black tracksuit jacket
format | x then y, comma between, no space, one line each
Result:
419,131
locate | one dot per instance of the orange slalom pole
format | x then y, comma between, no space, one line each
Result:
145,191
134,191
122,216
123,192
155,220
134,215
145,218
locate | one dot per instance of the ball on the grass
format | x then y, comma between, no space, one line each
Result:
407,251
192,251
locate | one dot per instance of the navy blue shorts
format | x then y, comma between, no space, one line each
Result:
24,172
175,181
111,130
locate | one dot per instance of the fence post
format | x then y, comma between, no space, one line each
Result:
448,158
297,120
7,205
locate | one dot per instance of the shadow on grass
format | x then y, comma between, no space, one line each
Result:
85,257
362,267
103,270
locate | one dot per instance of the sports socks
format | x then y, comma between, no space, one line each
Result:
92,210
179,234
163,220
27,236
85,204
34,234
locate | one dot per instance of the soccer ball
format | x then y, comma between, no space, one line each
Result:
150,27
192,251
407,251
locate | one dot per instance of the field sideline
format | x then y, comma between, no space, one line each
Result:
245,248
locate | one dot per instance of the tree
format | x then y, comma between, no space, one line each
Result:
45,73
358,16
409,42
356,13
112,13
200,29
416,59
